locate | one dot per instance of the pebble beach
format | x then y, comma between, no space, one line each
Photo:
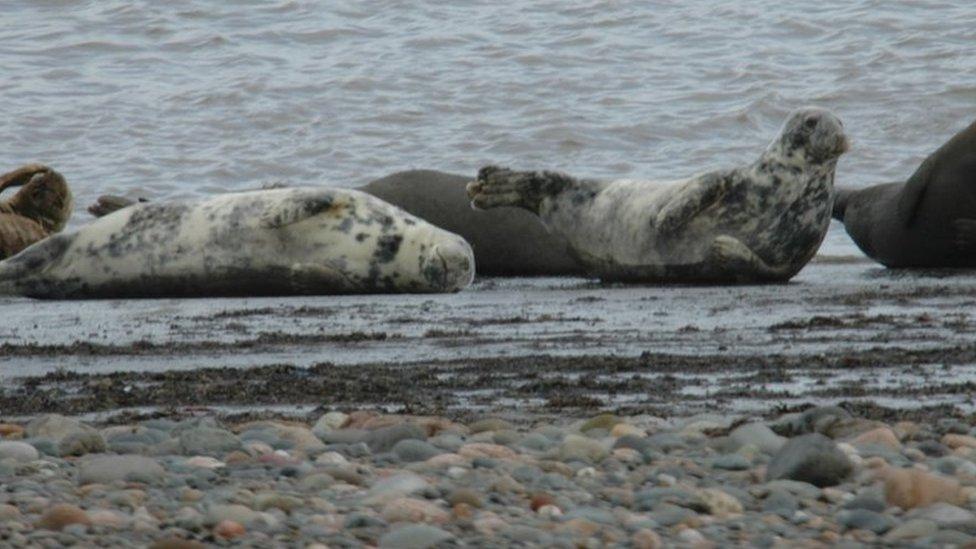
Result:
818,478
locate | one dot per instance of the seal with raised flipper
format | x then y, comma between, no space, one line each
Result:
761,222
295,241
40,208
927,221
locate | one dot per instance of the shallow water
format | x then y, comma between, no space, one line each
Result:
192,97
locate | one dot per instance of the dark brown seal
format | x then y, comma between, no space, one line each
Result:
928,221
39,209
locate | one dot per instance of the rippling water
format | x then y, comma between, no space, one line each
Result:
191,97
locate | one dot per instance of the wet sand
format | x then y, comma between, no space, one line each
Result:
890,344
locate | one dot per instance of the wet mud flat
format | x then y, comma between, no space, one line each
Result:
887,344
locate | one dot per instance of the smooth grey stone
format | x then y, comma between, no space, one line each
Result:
731,462
447,441
863,519
759,435
781,503
666,442
804,490
527,474
811,458
362,520
345,436
872,500
415,450
131,468
383,439
484,463
414,536
79,444
595,514
668,515
943,514
933,448
207,441
46,446
651,498
523,535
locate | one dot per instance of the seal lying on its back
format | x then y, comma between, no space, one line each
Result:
441,199
928,221
758,223
40,208
272,242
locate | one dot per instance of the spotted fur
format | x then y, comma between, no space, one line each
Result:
755,223
268,242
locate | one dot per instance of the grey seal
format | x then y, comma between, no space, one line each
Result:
441,199
761,222
928,220
294,241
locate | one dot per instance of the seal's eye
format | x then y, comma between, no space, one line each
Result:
810,122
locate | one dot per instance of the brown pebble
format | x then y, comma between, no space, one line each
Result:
462,511
466,496
229,529
189,495
959,441
539,500
881,436
11,431
646,539
175,542
910,488
61,515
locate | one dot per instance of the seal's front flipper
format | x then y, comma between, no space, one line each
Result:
107,204
965,235
497,187
690,202
21,175
951,165
731,256
318,280
298,208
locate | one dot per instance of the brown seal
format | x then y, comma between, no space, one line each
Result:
39,209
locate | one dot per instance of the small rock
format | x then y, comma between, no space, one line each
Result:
11,431
490,424
759,435
646,539
175,542
230,512
400,484
55,427
862,519
229,529
17,451
602,421
413,510
208,441
466,496
81,443
625,429
911,529
414,536
810,458
130,468
955,441
579,448
731,462
943,514
882,436
719,503
411,450
59,516
329,422
384,438
910,488
486,450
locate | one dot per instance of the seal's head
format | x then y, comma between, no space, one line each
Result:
44,196
811,136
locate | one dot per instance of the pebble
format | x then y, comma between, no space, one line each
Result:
579,448
811,458
17,451
81,443
911,488
413,510
415,450
414,536
385,438
62,515
758,435
229,529
132,468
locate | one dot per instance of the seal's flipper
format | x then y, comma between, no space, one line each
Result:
696,198
496,187
311,279
21,175
107,204
965,234
298,208
949,161
18,232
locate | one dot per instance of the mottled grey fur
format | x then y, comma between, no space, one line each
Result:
269,242
758,223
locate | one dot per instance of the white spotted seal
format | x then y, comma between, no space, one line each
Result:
757,223
441,199
40,208
927,221
269,242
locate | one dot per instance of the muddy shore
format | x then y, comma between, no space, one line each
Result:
844,331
